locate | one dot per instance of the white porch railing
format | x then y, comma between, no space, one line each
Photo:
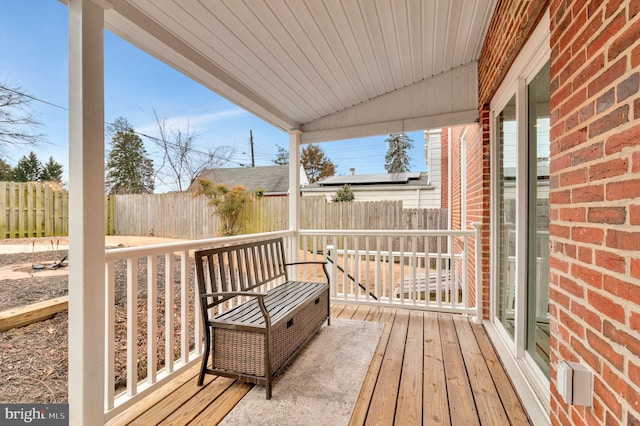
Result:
140,316
150,293
428,270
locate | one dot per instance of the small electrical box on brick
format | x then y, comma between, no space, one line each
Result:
575,383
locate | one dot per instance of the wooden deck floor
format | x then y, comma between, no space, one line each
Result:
427,369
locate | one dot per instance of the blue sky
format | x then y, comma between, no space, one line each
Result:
33,56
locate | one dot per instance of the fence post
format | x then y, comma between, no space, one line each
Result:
478,264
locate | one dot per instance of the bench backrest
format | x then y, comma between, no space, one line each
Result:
240,267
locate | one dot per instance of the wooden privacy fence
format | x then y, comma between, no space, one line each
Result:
37,209
179,215
171,215
32,209
317,213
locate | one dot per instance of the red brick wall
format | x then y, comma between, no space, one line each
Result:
512,23
456,201
477,194
444,168
595,204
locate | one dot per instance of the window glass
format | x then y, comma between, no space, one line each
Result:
538,220
507,198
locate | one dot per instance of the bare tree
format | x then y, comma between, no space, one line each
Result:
182,162
17,121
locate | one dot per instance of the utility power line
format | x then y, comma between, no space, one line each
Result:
33,97
106,122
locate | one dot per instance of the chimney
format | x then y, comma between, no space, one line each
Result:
352,170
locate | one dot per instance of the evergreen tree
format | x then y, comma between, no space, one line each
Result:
6,172
343,194
129,169
397,160
51,171
316,164
28,168
282,158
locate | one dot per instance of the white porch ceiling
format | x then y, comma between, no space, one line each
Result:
334,69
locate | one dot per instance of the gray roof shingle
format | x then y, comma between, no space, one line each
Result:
270,179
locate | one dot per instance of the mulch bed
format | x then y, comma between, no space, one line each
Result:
34,358
38,288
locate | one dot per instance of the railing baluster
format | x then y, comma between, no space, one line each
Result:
452,272
345,269
367,262
152,318
168,312
478,263
391,266
414,263
379,294
132,326
439,272
184,306
427,272
198,318
401,242
356,267
465,272
332,248
109,366
317,276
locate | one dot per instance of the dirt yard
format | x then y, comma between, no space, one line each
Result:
33,359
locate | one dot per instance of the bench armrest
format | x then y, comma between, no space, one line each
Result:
259,295
313,262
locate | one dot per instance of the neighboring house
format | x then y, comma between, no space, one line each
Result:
272,180
413,189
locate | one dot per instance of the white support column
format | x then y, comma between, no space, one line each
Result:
86,213
294,192
449,178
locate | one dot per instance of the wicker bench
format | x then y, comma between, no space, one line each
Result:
252,333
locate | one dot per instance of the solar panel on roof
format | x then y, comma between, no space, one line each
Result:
370,179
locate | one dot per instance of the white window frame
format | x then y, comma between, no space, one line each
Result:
527,376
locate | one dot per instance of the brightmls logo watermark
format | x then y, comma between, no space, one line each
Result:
36,414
